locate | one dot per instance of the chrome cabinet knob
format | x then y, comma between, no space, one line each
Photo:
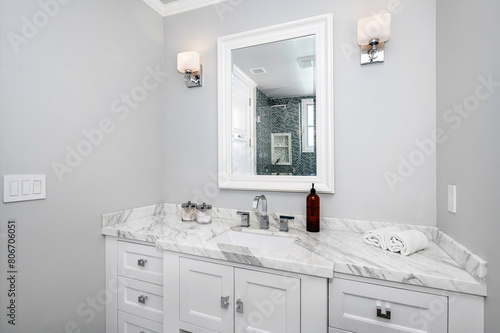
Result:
239,306
142,299
224,302
142,262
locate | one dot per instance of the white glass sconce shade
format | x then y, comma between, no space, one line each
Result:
188,61
374,27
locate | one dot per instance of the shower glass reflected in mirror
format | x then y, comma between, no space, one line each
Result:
274,108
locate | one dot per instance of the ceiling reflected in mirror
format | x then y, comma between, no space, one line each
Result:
281,69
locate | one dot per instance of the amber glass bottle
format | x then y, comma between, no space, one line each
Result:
312,220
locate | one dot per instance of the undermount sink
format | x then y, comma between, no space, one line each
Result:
255,241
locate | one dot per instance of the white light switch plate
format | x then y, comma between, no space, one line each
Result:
452,198
23,188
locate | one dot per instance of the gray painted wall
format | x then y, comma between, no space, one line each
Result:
470,157
379,110
62,81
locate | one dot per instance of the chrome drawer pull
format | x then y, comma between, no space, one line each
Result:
387,314
142,299
224,302
239,306
142,262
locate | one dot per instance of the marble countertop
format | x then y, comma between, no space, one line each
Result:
336,248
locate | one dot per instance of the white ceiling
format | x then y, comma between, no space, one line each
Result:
284,77
172,7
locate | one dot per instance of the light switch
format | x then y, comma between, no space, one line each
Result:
37,187
14,188
23,188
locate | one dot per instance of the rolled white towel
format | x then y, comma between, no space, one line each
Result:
376,237
406,242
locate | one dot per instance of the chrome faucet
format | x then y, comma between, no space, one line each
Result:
262,212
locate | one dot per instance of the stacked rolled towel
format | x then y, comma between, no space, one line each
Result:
406,242
395,240
376,237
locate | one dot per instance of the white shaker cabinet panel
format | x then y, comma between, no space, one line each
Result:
266,303
206,295
367,308
334,330
141,262
141,298
128,323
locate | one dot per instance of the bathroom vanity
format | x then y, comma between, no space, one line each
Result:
170,276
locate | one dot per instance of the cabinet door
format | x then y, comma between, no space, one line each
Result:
269,303
202,285
243,124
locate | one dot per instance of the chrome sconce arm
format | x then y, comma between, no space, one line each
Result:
193,79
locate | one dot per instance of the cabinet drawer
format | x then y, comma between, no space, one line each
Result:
362,307
334,330
128,323
140,262
141,298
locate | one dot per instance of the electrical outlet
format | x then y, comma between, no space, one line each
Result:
452,198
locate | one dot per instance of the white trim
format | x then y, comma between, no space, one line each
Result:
304,136
320,26
288,137
239,73
179,6
252,85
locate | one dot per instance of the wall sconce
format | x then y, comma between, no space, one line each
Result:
188,63
373,32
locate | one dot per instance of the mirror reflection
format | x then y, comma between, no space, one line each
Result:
273,108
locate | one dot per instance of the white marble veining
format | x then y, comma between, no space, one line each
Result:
471,262
134,214
339,247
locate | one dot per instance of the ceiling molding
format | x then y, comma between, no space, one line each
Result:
179,6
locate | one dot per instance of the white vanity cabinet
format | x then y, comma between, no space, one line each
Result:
223,297
154,291
134,274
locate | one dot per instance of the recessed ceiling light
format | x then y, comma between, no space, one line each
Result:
257,71
307,62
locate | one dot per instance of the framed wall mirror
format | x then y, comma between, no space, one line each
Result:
276,120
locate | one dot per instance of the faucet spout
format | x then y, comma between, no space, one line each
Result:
262,212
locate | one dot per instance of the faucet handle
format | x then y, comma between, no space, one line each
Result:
284,222
245,218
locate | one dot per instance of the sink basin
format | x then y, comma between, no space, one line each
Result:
255,241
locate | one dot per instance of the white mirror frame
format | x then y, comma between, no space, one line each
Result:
322,28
